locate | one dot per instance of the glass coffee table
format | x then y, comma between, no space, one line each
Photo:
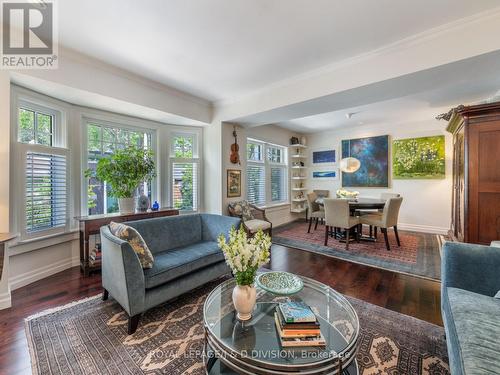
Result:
253,347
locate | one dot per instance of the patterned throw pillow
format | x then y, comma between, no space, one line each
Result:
134,238
242,209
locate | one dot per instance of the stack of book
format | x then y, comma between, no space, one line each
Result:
297,325
95,255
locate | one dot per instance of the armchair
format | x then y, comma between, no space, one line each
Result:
252,217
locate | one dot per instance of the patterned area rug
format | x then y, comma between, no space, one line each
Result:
418,255
89,337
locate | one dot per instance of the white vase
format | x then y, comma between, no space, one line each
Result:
244,297
126,205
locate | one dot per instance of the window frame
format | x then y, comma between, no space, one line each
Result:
196,134
268,165
20,99
111,123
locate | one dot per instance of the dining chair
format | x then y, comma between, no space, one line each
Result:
314,211
387,219
338,215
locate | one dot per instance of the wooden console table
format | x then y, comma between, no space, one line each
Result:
91,225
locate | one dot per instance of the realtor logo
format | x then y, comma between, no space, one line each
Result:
28,35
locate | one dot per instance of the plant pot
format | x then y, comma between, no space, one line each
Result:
244,297
126,205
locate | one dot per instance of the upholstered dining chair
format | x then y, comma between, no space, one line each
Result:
252,217
315,213
338,215
387,219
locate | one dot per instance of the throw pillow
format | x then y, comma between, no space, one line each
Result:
243,210
497,295
134,238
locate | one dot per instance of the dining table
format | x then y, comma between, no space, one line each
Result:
360,203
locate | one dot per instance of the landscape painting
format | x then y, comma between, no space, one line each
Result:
373,153
325,174
418,158
324,156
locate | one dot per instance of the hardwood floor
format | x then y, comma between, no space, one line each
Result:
405,294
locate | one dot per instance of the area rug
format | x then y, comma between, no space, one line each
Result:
418,255
90,337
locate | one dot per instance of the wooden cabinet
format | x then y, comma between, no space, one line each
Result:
476,173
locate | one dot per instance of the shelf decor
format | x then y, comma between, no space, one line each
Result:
418,158
373,155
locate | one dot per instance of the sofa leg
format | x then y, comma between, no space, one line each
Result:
105,294
133,322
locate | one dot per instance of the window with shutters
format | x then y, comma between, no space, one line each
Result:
103,138
267,173
45,164
185,171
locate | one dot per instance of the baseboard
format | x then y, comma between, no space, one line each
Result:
5,301
24,279
423,228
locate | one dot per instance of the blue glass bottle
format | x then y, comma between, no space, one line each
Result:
156,206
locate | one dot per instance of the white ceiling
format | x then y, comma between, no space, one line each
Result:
223,49
424,106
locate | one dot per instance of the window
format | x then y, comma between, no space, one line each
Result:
102,141
266,162
44,173
184,160
46,191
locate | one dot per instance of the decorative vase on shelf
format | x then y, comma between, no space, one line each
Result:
303,141
244,298
244,256
126,205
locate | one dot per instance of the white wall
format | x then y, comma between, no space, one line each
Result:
279,214
4,179
427,203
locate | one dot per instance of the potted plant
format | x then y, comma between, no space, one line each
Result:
123,172
244,256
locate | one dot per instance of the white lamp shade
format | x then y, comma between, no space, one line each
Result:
349,165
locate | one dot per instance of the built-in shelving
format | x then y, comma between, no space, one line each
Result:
298,172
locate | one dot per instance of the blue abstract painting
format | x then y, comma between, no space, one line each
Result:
327,156
373,153
324,174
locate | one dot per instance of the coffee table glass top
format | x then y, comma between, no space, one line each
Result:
257,340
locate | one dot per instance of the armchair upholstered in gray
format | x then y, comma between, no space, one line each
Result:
470,280
186,256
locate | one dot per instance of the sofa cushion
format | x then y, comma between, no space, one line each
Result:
133,237
474,328
165,233
242,209
178,262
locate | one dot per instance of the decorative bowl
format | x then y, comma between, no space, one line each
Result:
281,283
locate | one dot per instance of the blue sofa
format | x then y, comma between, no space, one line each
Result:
186,256
471,314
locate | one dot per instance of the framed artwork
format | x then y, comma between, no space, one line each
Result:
323,156
373,153
233,183
418,158
327,174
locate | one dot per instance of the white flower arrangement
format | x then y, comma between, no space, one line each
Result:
244,256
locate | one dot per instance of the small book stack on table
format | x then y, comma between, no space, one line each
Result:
297,325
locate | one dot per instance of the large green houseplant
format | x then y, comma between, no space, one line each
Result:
123,172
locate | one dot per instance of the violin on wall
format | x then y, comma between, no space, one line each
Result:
235,148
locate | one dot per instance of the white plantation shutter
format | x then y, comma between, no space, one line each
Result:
278,184
185,185
256,188
46,190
